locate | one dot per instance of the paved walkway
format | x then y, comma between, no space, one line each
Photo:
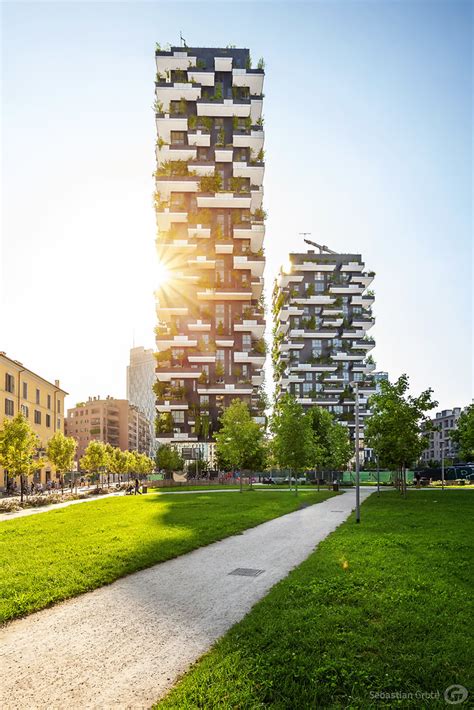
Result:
124,645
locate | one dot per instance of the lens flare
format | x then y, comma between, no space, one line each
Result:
162,274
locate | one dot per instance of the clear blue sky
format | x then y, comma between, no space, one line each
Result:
368,144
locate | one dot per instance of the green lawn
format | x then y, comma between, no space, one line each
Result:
383,607
53,555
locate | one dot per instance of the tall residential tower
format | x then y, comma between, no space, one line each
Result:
209,190
322,311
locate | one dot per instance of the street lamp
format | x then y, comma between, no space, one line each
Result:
357,452
441,444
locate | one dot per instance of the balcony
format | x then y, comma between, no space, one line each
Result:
257,288
247,170
166,92
253,140
171,372
199,138
165,313
222,200
164,342
166,184
251,78
288,311
249,357
224,155
224,246
254,232
202,262
256,194
224,341
166,123
222,63
236,293
255,263
254,326
175,152
224,107
199,231
202,167
201,76
200,326
169,61
169,215
256,105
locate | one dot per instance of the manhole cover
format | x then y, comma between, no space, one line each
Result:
337,511
246,572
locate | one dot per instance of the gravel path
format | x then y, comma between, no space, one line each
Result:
124,645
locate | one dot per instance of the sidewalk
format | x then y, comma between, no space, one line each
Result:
124,645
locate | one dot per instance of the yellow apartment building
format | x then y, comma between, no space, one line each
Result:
41,402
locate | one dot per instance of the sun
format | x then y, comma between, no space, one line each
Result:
162,274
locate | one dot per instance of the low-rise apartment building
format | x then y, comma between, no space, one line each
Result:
113,421
440,442
40,401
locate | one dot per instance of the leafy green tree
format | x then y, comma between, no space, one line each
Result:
95,458
19,447
240,438
397,427
463,435
340,447
118,461
168,458
293,443
61,450
145,464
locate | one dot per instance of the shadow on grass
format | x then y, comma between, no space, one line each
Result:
62,553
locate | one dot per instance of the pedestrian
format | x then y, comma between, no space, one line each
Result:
32,488
137,487
417,478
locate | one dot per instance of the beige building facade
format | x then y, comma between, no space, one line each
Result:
40,401
113,421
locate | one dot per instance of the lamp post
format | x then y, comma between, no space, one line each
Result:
441,444
378,476
357,452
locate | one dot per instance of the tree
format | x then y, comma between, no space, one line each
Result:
19,447
397,428
145,464
292,445
463,435
168,458
61,450
95,458
240,438
117,461
340,447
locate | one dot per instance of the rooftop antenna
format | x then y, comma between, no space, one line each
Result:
321,247
182,40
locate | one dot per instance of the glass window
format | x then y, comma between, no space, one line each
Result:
49,401
307,387
220,355
37,396
37,417
246,342
25,390
178,137
25,411
319,286
48,420
309,376
9,383
178,417
9,407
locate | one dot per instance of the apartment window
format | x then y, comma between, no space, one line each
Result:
49,401
204,400
319,275
358,376
220,356
37,396
37,417
9,407
246,342
25,390
25,411
337,342
220,313
309,376
356,309
178,137
58,406
178,417
307,387
9,383
337,409
48,420
345,376
319,285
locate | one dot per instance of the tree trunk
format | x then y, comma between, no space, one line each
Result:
21,487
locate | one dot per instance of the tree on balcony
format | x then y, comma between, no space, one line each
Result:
173,168
164,423
260,346
211,183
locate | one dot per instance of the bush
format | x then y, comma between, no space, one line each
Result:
10,505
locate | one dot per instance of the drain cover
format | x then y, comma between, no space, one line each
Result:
337,511
247,572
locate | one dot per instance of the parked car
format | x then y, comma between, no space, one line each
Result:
268,479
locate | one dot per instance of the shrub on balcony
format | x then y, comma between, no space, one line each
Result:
173,168
219,369
259,215
163,356
203,379
160,389
159,202
164,423
220,328
220,138
192,122
158,106
210,183
238,184
260,346
260,121
203,217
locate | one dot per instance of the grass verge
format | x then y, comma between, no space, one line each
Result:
60,553
384,607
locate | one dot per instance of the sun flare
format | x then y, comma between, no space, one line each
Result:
162,274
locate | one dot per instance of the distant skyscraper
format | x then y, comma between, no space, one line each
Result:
140,381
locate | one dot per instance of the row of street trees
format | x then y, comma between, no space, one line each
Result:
21,455
300,441
103,459
20,451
